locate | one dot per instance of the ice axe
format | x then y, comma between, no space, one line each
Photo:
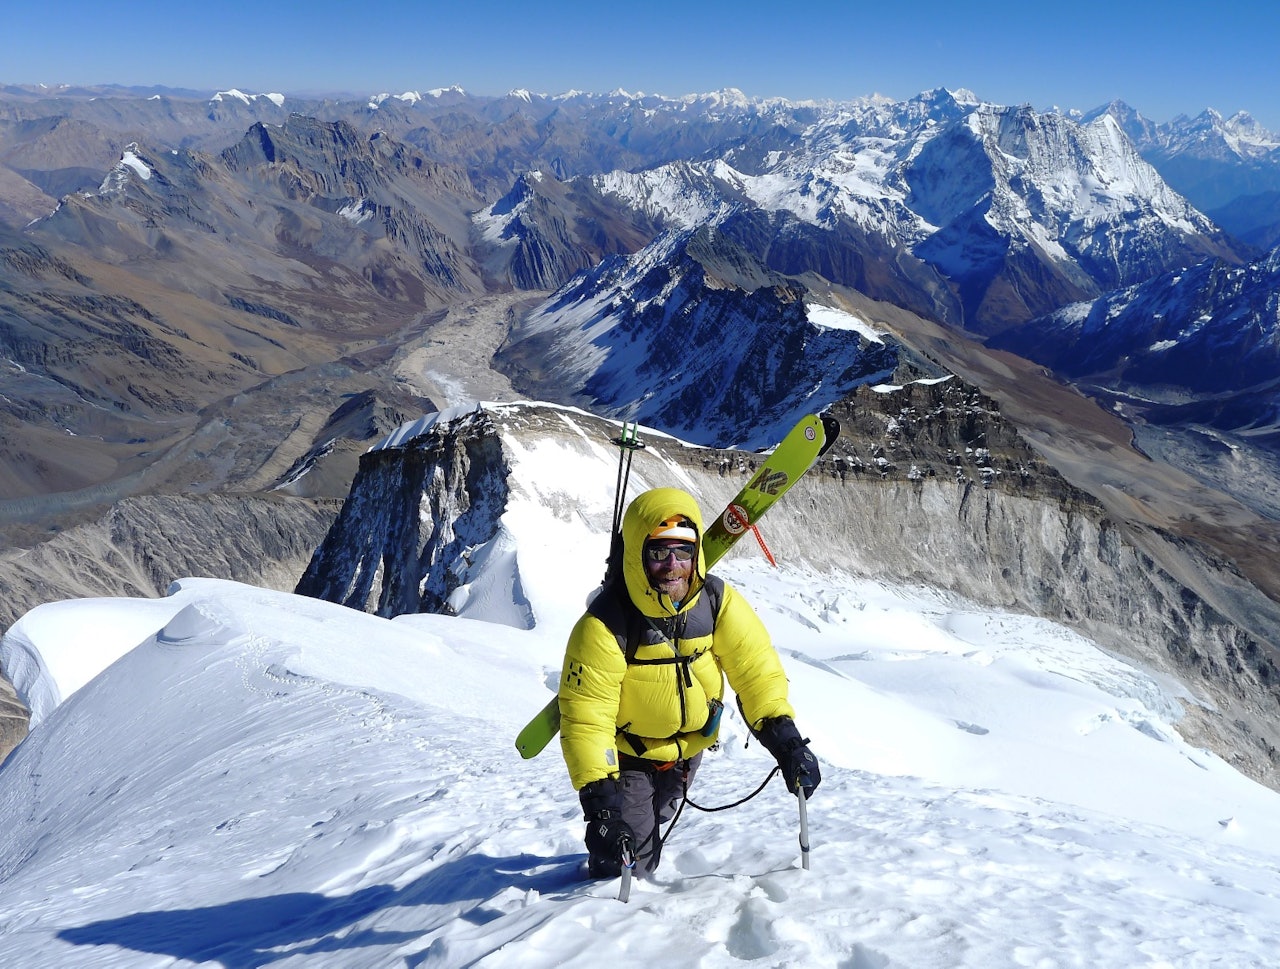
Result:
804,820
628,863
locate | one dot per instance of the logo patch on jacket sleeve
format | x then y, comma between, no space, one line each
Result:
573,674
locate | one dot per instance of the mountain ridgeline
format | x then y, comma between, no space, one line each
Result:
695,337
927,485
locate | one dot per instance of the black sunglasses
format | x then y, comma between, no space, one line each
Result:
658,553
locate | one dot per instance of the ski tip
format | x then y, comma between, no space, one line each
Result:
830,431
528,751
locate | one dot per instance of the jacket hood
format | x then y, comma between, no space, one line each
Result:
645,513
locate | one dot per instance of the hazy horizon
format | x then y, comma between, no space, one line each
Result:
1164,63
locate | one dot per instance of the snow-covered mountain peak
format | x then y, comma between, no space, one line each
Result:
961,96
680,195
1211,134
234,94
613,330
1249,132
725,97
928,177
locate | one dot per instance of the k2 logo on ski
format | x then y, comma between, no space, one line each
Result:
770,482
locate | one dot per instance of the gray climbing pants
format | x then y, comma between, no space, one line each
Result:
650,798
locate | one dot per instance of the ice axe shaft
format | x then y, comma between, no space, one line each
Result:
804,823
628,863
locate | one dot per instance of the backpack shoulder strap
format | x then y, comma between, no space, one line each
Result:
713,589
614,609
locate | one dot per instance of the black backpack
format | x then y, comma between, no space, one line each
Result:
613,607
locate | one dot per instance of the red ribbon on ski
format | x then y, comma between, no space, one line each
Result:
763,547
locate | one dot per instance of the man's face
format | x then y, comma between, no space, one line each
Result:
669,565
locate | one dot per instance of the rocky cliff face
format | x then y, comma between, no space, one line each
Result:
142,544
402,541
544,231
928,485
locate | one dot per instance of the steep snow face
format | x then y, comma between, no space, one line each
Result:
657,338
1056,209
1074,180
680,195
1047,176
497,222
1213,160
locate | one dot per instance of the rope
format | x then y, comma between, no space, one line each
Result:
684,799
738,803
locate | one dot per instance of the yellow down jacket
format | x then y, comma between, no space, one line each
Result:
656,705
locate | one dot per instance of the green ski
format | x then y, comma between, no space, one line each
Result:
803,445
540,731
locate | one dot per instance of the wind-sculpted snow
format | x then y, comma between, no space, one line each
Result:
271,780
236,777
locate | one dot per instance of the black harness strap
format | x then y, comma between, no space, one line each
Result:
613,607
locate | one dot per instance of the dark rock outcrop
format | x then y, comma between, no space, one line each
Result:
401,546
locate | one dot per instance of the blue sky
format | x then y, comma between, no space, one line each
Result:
1163,58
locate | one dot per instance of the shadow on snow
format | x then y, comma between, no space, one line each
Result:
252,932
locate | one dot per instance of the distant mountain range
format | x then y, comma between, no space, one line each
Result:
1229,168
232,295
169,259
977,215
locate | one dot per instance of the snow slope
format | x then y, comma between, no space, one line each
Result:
265,779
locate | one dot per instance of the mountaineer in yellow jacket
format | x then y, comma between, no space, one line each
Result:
643,684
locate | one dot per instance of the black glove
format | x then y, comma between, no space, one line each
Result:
607,833
799,767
